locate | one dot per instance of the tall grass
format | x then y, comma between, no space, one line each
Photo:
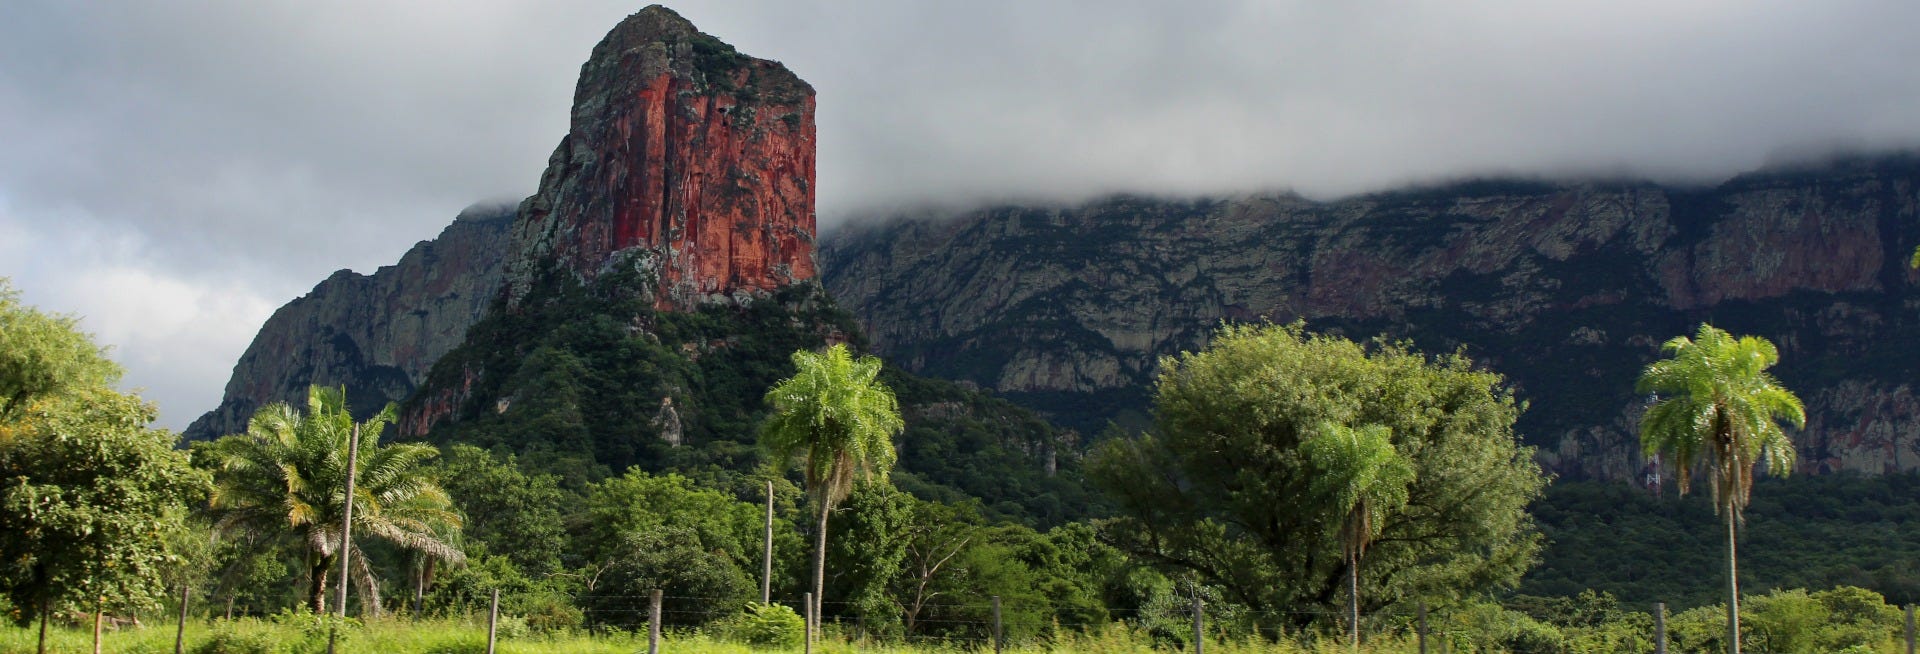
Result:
265,636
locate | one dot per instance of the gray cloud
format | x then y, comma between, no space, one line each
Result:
228,155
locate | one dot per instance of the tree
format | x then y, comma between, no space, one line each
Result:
1224,488
509,511
835,413
91,496
287,474
43,355
1365,478
1717,406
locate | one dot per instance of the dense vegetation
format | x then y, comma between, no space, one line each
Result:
1229,487
1801,532
1385,476
584,381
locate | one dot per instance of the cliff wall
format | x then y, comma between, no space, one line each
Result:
1568,289
375,334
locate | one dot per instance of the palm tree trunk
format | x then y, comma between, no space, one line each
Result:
1733,590
1353,599
820,567
317,586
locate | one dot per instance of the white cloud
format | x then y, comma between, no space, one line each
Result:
178,338
231,153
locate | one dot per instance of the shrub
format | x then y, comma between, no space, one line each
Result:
229,641
767,625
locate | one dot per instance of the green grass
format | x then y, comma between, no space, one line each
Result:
256,636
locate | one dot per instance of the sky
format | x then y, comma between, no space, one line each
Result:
174,171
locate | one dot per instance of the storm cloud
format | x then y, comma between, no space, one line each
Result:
174,171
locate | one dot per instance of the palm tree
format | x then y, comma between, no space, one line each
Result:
1717,406
287,475
1366,478
836,413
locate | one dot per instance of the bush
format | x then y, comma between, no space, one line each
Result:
767,625
547,613
229,641
1483,627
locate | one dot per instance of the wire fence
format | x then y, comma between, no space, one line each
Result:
984,624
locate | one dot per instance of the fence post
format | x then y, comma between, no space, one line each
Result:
180,633
1659,628
1422,632
810,617
653,622
999,636
346,538
766,562
493,619
1199,625
1910,629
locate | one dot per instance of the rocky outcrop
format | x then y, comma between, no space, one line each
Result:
687,162
375,334
1568,289
685,158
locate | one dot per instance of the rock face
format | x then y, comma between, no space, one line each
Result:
376,334
686,161
1568,289
685,158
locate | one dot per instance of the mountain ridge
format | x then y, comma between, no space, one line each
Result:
1067,309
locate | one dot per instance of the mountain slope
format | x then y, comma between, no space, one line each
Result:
376,334
1568,289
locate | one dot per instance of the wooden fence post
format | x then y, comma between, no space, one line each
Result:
180,632
1199,625
493,619
1659,628
1910,629
1423,627
766,561
653,622
810,618
346,536
999,634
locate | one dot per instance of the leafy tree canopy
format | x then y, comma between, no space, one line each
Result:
91,498
1224,489
42,354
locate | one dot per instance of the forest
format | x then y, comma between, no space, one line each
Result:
1296,492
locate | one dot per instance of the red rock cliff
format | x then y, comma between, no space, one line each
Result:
686,159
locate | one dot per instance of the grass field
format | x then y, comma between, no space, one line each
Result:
255,636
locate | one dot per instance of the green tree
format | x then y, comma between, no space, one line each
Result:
92,499
1366,479
506,510
836,415
1717,406
43,355
288,474
1224,488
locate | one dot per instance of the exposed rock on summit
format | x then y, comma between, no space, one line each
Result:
687,159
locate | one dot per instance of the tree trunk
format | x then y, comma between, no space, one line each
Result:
820,566
317,587
46,606
1733,588
99,612
1353,599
